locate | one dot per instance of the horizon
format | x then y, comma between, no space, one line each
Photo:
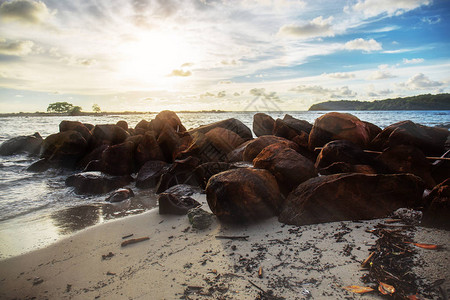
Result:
200,55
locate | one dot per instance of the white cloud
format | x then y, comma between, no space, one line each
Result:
421,82
340,75
372,8
380,74
221,94
180,73
261,92
413,61
24,11
342,92
362,44
380,93
16,48
318,27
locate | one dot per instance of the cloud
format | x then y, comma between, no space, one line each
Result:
342,92
180,73
431,20
24,11
378,75
221,94
372,8
413,61
421,82
229,62
318,27
188,64
236,94
225,82
380,93
362,44
206,95
262,93
16,48
340,75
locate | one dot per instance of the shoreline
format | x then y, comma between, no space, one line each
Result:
178,261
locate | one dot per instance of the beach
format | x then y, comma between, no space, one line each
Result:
179,262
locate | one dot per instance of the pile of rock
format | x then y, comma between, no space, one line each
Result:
304,173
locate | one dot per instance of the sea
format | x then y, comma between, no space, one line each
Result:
37,209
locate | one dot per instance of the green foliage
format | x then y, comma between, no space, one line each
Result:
96,108
75,111
59,107
420,102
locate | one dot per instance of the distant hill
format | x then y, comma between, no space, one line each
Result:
420,102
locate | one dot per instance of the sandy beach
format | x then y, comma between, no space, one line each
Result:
179,262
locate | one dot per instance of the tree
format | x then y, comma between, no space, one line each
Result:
96,108
75,111
60,107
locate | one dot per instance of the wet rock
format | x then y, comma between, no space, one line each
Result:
122,124
407,159
342,151
148,149
231,124
96,182
438,206
206,170
95,154
237,154
430,140
169,142
343,167
373,129
169,119
254,147
119,159
243,195
440,169
176,200
76,126
223,139
263,124
143,125
109,134
180,172
30,144
65,147
281,129
199,218
297,125
120,195
41,165
288,166
344,197
338,126
150,173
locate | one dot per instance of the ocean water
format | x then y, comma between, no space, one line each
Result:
37,208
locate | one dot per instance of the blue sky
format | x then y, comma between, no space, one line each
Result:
150,55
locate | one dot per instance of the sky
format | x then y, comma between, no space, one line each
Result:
151,55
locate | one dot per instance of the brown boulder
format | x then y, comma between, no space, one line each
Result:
344,197
254,147
148,149
169,142
65,147
288,166
263,124
237,154
95,154
180,172
343,167
281,129
297,125
338,126
231,124
96,183
30,144
176,200
223,139
243,195
109,134
374,130
143,125
119,159
120,195
149,174
342,151
122,124
166,118
438,210
206,170
76,126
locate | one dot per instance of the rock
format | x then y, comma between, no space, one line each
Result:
181,171
95,154
288,166
122,124
96,182
237,154
231,124
297,125
166,118
30,144
438,211
109,134
342,151
143,125
263,124
148,149
120,195
254,147
407,159
169,142
176,200
66,148
206,170
119,159
89,126
343,197
243,195
281,129
374,130
430,140
343,167
76,126
440,169
223,139
199,218
338,126
408,215
150,173
41,165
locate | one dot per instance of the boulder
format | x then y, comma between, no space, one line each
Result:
374,130
223,139
343,197
143,125
120,195
95,154
343,167
122,124
263,124
342,151
64,147
206,170
237,154
200,218
149,174
254,147
76,126
440,169
96,182
181,171
148,149
119,159
243,195
438,206
176,200
288,166
281,129
40,165
166,118
30,144
430,140
231,124
297,125
109,134
169,142
338,126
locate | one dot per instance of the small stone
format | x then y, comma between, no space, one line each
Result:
37,280
199,218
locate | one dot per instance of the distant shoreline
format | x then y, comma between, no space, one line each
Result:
107,113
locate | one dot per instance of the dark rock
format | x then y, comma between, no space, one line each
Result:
440,169
263,124
430,140
342,151
206,170
65,147
223,139
338,126
231,124
199,218
136,139
343,167
109,134
96,182
41,165
243,195
344,197
119,159
254,147
89,126
148,149
180,172
150,173
281,129
94,165
438,210
297,125
95,154
237,154
407,159
30,144
143,125
169,119
169,142
76,126
122,124
176,200
120,195
288,166
374,130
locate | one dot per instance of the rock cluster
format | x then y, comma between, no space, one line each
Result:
365,171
